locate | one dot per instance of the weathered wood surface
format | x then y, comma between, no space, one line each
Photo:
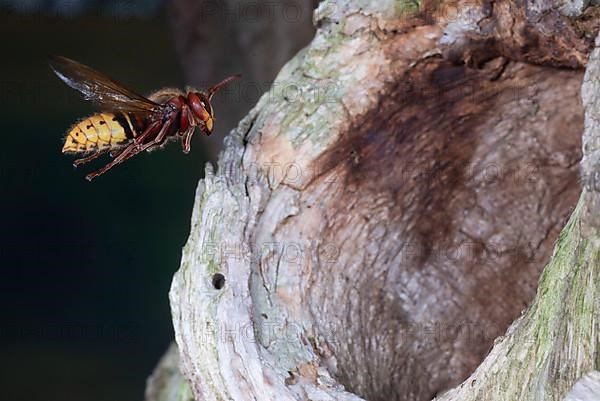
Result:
383,215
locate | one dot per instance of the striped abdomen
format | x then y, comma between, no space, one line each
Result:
101,131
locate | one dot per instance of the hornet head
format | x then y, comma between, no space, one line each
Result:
201,106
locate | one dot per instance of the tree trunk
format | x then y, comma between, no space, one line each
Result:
380,218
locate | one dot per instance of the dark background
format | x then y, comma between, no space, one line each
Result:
86,267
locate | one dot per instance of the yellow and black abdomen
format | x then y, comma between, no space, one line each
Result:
101,131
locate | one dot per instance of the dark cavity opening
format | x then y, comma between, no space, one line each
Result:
218,281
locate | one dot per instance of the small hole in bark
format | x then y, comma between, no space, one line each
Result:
218,281
291,379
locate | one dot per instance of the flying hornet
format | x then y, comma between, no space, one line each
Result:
129,123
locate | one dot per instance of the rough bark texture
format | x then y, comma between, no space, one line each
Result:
384,215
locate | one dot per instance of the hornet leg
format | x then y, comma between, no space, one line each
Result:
130,151
91,157
186,141
161,135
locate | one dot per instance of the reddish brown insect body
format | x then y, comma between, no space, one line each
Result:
131,123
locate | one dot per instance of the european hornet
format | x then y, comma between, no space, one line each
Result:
130,123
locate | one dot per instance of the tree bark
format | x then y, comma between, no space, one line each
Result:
380,218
